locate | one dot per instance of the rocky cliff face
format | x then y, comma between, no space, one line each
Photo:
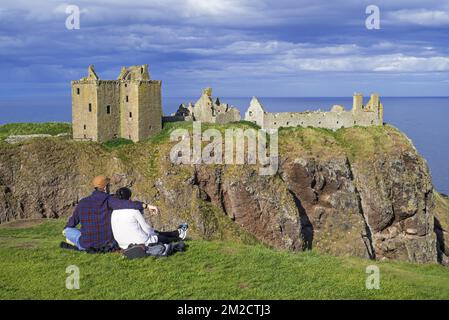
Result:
360,191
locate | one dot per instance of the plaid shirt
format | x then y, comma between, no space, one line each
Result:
94,215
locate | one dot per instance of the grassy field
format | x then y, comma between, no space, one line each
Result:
52,128
33,267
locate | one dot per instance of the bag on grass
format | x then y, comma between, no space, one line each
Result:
135,251
159,250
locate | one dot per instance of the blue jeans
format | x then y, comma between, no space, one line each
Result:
73,235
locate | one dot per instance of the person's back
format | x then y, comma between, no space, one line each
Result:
129,227
95,219
93,213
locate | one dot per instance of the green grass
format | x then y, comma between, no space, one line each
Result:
169,127
52,128
116,143
33,267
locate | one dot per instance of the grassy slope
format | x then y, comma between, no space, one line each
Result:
34,267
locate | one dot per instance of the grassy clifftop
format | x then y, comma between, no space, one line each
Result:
231,211
33,267
310,139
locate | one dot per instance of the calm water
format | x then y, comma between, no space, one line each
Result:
425,120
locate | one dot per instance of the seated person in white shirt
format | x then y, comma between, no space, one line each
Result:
129,226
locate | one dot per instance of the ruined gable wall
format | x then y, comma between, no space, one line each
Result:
255,113
256,116
202,111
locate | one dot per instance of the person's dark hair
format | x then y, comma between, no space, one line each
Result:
123,193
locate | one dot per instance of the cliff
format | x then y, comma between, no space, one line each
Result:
358,191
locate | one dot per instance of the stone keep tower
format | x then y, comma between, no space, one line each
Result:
129,107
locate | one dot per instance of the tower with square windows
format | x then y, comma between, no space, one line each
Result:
129,107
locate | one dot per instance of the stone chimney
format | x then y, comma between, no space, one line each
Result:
357,102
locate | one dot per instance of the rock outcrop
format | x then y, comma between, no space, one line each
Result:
362,192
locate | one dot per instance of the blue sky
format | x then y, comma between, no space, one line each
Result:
240,48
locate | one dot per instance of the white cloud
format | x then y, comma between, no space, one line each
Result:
421,17
381,63
224,8
274,47
222,38
279,66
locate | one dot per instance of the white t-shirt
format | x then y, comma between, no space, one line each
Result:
129,227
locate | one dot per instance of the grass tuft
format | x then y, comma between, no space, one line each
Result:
116,143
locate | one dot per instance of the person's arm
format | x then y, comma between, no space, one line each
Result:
74,219
143,224
117,204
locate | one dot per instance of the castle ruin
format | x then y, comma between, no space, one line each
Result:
370,114
129,107
206,110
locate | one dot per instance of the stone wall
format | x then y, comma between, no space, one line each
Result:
206,110
108,112
203,109
129,109
232,115
150,112
84,110
327,120
175,118
369,115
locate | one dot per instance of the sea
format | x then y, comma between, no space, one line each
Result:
425,120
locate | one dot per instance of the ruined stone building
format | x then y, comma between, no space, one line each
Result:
129,107
206,110
370,114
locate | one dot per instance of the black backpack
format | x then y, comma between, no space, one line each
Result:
135,251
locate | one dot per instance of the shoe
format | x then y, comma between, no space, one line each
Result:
184,226
65,245
182,229
70,242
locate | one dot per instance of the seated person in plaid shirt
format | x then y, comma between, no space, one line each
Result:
94,215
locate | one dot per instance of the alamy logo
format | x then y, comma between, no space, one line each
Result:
72,282
73,20
373,280
190,150
372,22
